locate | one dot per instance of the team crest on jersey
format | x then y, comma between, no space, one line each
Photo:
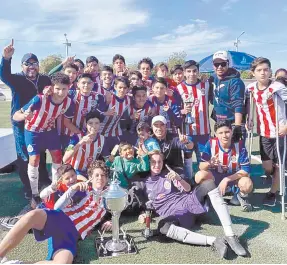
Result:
84,112
62,111
90,159
99,150
233,159
196,102
269,95
30,148
160,196
167,185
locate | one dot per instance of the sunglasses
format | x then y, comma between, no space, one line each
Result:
223,64
31,64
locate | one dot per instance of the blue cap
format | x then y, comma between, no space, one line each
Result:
29,56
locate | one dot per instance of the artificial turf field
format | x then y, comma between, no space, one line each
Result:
262,231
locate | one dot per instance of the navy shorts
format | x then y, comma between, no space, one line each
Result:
37,142
268,149
232,186
60,231
83,173
199,144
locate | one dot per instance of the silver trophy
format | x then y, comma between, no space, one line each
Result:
115,200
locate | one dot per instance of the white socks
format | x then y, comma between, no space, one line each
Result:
33,174
55,176
187,236
221,209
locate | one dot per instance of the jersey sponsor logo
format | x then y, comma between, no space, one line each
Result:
167,185
202,91
196,102
160,196
30,148
99,150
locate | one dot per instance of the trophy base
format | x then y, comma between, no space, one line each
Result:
102,247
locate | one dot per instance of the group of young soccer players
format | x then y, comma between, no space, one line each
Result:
89,115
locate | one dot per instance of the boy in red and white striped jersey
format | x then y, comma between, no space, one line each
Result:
145,66
266,94
107,87
92,67
67,223
40,115
115,122
194,95
84,149
227,164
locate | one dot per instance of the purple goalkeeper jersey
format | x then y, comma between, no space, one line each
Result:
169,199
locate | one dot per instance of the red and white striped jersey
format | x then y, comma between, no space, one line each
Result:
87,153
266,109
111,125
83,105
86,214
102,91
199,114
146,110
230,161
45,113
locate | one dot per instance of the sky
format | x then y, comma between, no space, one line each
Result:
137,29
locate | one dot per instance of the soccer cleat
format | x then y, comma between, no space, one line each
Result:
6,261
239,199
235,245
269,199
7,223
219,245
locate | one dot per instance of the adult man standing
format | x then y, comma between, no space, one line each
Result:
24,87
228,92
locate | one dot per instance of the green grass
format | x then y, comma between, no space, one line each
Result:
5,107
261,231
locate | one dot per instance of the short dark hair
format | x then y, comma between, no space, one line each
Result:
98,164
137,73
119,57
122,79
146,60
79,61
280,70
160,65
92,59
160,80
222,123
176,67
64,169
143,126
138,88
84,75
94,114
259,60
107,69
60,78
190,63
122,144
71,65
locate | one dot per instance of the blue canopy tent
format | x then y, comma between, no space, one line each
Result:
238,60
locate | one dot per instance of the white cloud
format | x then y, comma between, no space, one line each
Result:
228,5
86,20
162,37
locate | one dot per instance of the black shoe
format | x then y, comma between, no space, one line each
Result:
7,223
235,245
243,201
220,246
269,199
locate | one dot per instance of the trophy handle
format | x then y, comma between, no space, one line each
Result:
131,192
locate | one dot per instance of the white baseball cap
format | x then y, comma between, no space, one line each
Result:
220,56
158,118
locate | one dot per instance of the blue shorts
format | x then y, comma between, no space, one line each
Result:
41,141
65,140
199,144
232,186
83,173
60,231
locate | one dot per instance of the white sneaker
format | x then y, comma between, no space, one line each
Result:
6,261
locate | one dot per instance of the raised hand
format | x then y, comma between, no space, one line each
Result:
111,111
48,91
214,161
137,114
9,50
169,92
172,175
69,59
182,138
